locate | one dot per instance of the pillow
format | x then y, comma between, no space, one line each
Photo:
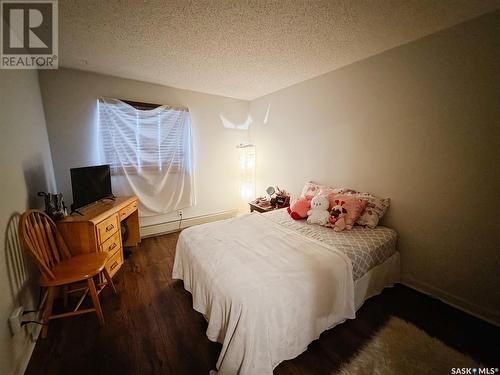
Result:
376,208
354,206
310,190
330,193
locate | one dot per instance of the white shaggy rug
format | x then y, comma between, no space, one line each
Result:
401,348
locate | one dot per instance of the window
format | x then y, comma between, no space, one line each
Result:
149,150
137,136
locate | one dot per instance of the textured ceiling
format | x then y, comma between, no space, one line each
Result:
243,49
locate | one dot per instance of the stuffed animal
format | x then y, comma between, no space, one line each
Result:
337,216
318,214
299,207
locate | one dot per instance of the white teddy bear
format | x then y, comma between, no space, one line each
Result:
319,214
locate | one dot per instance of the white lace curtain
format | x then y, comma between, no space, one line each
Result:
150,153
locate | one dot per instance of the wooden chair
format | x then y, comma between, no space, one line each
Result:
39,234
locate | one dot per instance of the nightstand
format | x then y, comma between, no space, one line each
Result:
254,207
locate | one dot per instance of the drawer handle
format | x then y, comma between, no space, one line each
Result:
113,266
109,227
111,247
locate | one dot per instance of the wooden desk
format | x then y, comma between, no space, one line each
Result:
99,229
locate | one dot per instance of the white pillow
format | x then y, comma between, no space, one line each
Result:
374,211
311,189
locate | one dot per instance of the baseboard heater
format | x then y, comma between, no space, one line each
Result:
175,225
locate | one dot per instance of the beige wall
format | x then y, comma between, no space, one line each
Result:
421,124
26,168
70,98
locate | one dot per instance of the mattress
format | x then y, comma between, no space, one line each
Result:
365,247
266,291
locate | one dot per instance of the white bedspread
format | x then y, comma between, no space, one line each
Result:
266,291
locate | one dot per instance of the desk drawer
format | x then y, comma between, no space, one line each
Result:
112,244
128,210
107,228
114,263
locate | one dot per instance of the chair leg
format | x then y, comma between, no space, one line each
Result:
51,292
109,279
95,301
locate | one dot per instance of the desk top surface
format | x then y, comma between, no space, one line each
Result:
98,211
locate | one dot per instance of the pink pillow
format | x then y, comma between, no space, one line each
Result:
376,208
353,205
330,192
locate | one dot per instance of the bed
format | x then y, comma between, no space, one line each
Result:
269,285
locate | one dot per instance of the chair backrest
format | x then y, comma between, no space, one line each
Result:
39,234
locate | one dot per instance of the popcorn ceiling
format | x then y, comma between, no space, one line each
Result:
243,49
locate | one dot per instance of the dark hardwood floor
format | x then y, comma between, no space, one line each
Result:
151,328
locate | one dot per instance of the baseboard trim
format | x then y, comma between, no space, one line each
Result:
23,363
176,225
470,308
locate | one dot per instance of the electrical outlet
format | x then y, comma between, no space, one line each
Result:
181,212
15,320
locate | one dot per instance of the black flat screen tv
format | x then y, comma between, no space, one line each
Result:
90,184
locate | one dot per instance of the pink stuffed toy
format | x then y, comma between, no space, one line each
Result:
299,207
